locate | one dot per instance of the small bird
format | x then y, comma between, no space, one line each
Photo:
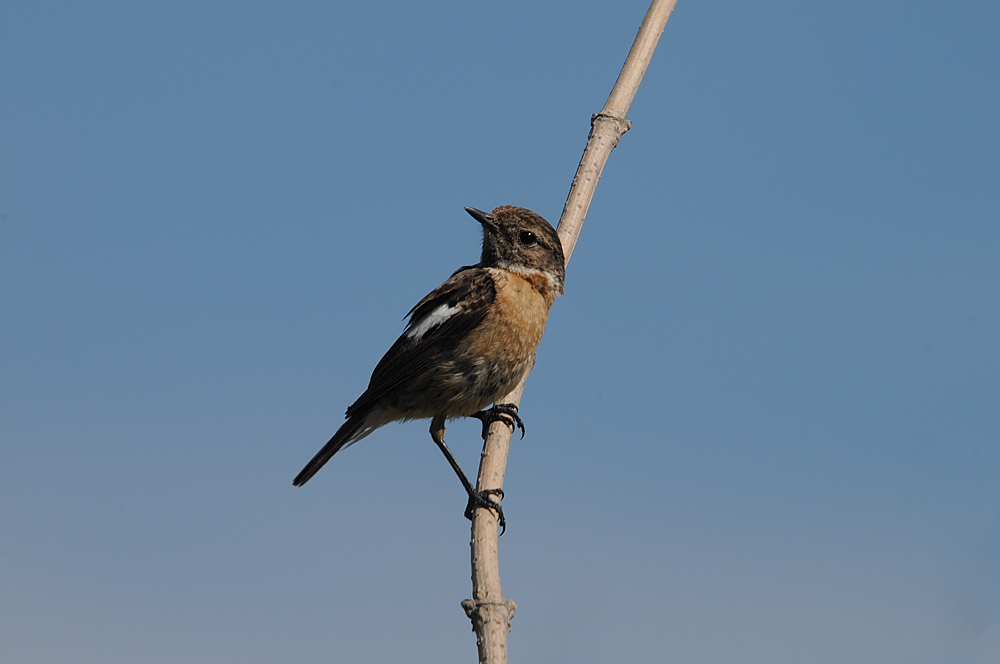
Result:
467,343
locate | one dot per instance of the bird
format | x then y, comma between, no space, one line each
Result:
467,343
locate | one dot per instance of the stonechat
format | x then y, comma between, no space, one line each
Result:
467,343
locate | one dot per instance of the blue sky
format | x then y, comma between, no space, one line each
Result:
765,421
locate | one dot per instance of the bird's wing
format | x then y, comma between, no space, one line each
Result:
437,322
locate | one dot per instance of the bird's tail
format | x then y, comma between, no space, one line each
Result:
353,430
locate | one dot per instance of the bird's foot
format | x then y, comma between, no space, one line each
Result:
501,412
482,499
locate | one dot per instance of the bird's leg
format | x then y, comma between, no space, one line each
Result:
476,498
437,435
501,412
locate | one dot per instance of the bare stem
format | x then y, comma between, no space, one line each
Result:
608,126
489,611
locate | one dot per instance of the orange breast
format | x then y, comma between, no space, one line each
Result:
511,331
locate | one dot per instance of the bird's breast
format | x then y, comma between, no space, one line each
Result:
501,348
514,325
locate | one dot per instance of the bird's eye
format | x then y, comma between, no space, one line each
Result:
527,238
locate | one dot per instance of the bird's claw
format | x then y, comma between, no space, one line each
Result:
482,499
501,412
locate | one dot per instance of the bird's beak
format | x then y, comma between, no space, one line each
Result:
483,218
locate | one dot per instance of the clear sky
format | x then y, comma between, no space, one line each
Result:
764,426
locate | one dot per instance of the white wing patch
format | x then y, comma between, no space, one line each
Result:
430,320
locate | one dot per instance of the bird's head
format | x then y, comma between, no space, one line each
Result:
520,241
